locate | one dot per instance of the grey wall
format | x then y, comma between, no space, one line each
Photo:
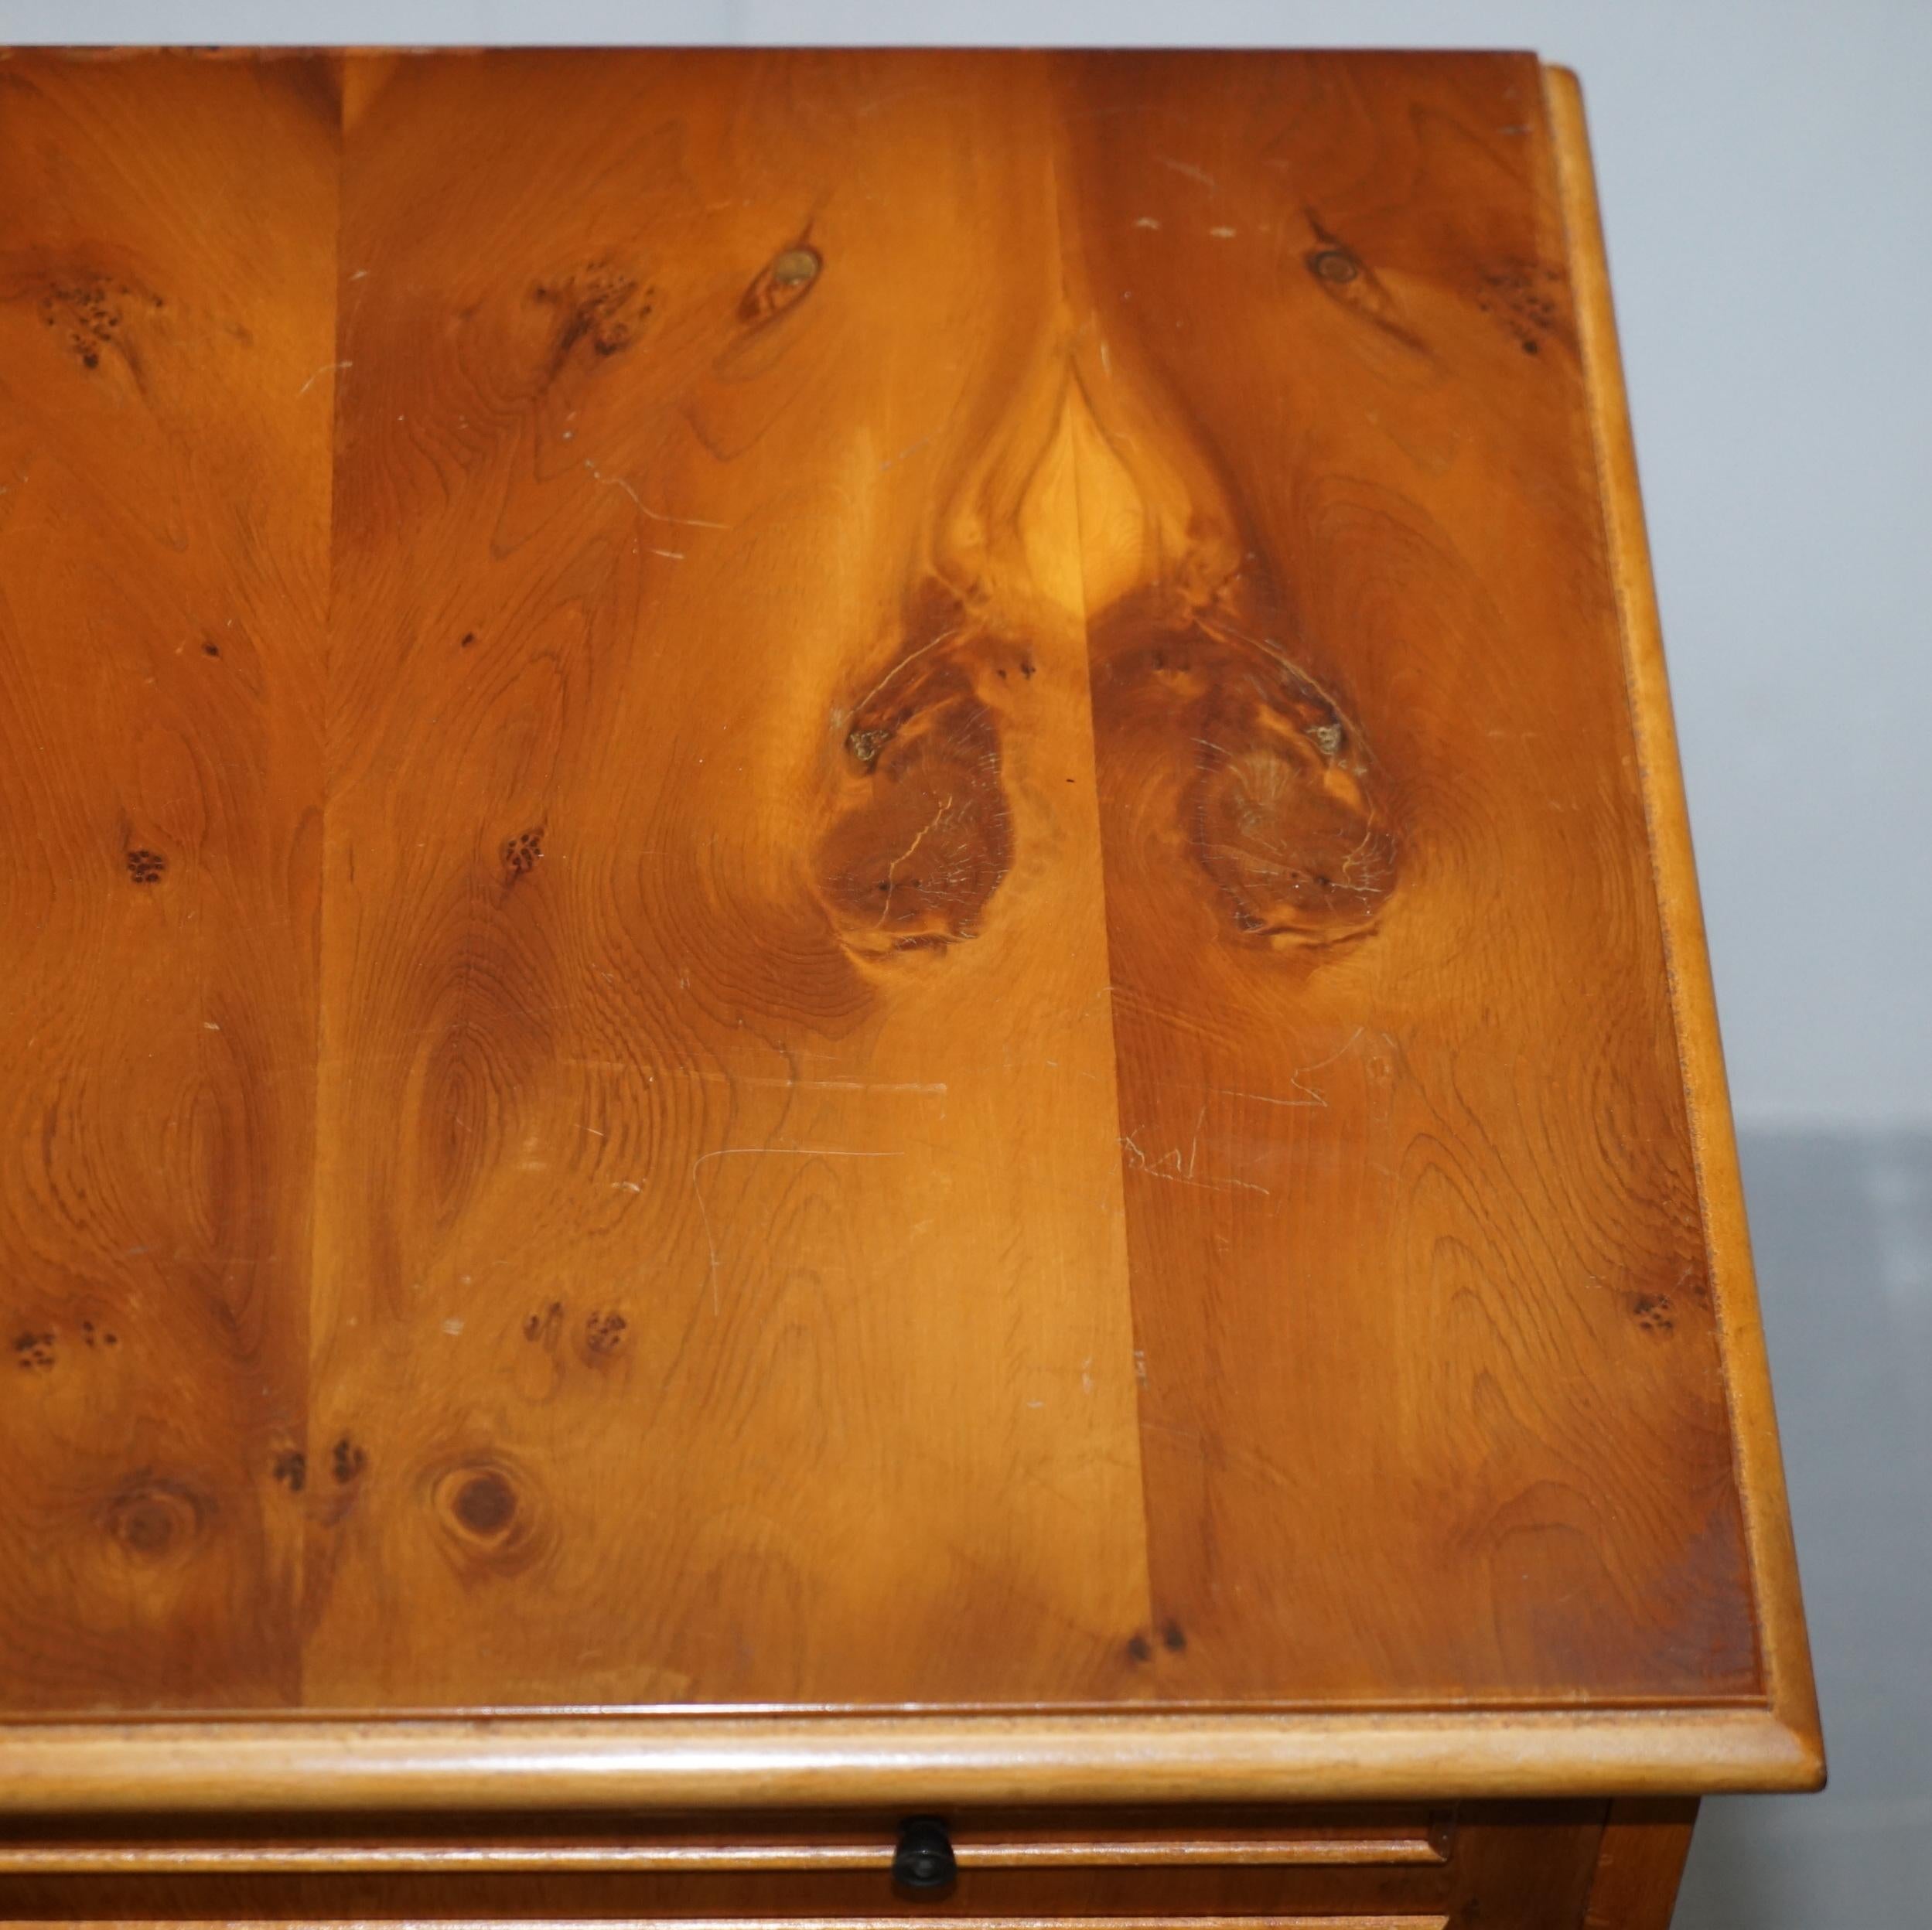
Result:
1842,1223
1766,175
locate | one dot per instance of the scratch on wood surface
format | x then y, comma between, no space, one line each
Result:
1311,1097
1308,1096
831,1084
1188,168
730,1152
651,1074
1171,1166
938,818
327,368
858,709
656,515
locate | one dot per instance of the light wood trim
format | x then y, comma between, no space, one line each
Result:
1431,1922
1426,1842
387,1859
1761,1469
1334,1851
207,1860
745,1762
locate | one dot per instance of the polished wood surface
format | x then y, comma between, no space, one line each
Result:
847,883
166,289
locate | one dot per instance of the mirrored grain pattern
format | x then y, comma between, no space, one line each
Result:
828,887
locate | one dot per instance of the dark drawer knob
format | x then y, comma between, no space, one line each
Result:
923,1865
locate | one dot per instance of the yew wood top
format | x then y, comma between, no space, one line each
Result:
839,881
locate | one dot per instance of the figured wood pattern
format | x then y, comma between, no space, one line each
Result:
746,1259
165,308
924,879
1340,732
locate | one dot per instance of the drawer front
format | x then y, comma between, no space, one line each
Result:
1507,1866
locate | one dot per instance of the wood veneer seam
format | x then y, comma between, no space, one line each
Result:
318,1055
1069,386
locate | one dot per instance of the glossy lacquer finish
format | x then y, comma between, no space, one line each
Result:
844,880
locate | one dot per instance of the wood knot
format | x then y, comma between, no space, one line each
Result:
1140,1646
1272,792
783,283
145,867
153,1518
919,833
34,1351
1287,834
597,306
521,853
603,1334
488,1523
795,265
87,310
1353,286
1332,265
1526,299
1653,1313
485,1503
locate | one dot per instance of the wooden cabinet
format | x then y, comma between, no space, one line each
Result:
851,974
